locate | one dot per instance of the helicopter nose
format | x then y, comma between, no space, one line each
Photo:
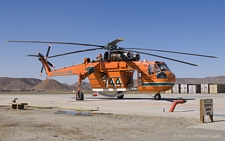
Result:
172,77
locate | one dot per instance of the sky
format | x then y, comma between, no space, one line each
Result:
193,26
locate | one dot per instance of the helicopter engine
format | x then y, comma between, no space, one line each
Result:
121,56
107,56
136,57
128,55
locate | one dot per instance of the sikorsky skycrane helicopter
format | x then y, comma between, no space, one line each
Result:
114,70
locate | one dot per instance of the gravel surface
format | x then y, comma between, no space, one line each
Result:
54,124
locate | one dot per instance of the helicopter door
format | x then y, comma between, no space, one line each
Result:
151,69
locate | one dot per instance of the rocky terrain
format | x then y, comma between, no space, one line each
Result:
32,84
51,85
206,80
18,83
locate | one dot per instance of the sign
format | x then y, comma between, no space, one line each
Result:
206,108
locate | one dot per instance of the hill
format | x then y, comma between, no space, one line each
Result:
18,83
206,80
28,84
52,85
84,85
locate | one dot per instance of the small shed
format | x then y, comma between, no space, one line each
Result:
194,88
216,88
176,89
183,88
205,88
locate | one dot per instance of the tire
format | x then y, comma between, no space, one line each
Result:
157,96
121,96
80,96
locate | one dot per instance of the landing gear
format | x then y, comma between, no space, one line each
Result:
157,96
120,96
79,96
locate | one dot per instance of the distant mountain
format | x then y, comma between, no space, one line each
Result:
18,83
84,85
52,85
206,80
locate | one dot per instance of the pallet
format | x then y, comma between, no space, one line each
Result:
18,105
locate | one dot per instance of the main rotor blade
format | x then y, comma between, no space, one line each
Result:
113,43
47,42
174,52
78,51
164,58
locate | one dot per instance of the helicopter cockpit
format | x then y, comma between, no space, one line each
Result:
162,66
159,68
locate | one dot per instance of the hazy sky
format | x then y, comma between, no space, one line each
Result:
195,26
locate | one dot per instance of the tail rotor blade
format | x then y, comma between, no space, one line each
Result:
50,64
31,55
41,70
49,47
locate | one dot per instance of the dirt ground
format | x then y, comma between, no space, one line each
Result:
57,125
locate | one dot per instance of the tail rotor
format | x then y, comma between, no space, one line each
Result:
39,55
49,63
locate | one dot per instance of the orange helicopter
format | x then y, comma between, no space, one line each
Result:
114,70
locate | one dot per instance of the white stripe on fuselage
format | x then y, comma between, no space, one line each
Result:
110,89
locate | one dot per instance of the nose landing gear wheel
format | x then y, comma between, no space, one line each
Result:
157,96
79,96
120,96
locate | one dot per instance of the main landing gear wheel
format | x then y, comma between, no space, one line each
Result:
121,96
79,96
157,96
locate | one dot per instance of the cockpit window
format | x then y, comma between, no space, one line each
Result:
163,67
158,67
166,67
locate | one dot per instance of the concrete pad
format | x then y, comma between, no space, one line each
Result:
142,104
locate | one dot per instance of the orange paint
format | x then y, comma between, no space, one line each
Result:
151,78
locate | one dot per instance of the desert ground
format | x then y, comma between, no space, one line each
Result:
138,117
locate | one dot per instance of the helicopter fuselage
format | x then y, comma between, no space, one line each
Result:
152,77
